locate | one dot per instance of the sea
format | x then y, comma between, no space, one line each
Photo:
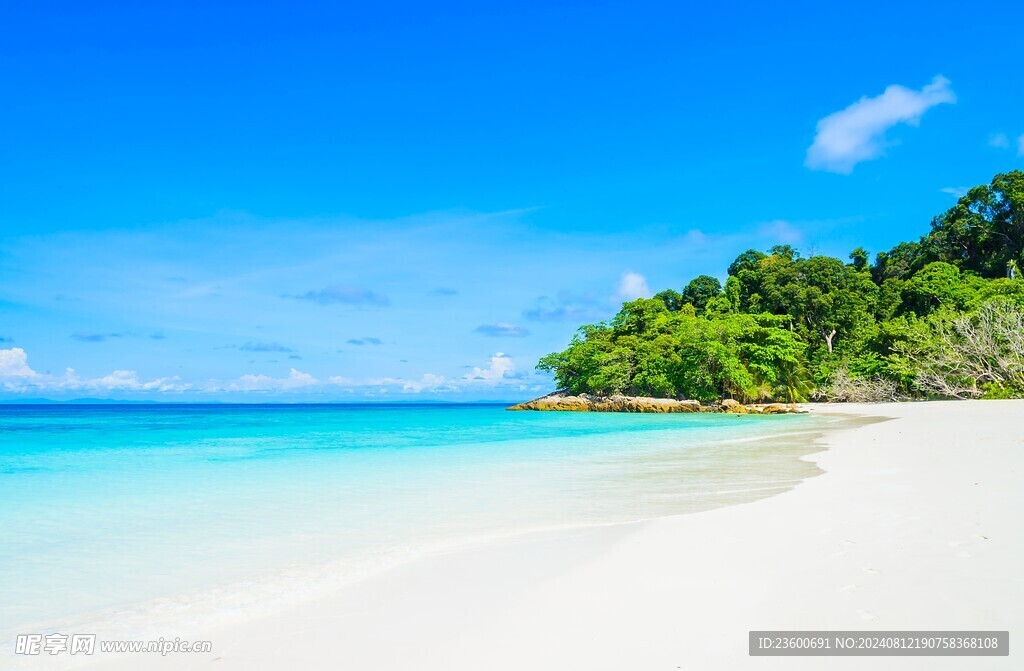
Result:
127,518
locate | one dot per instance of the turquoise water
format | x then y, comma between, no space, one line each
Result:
164,509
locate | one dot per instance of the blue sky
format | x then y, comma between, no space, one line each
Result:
255,201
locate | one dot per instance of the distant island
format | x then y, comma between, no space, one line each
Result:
942,317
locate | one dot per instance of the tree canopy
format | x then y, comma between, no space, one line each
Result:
788,327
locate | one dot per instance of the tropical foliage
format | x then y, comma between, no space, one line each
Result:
942,316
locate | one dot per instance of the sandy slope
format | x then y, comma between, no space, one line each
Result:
916,524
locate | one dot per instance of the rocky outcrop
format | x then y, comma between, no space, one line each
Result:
616,403
620,403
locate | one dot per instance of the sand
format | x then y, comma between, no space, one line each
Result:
915,525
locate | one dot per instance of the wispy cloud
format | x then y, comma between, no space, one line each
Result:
364,341
81,336
631,286
264,347
342,295
443,291
1002,141
999,141
857,133
780,231
559,313
501,330
955,191
567,307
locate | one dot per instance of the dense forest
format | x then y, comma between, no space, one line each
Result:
939,317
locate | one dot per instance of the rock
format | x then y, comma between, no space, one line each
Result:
621,403
556,402
614,403
734,406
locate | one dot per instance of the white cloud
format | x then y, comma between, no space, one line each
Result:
70,379
631,286
119,379
342,381
429,382
123,380
999,141
16,375
500,366
14,364
500,369
857,133
296,379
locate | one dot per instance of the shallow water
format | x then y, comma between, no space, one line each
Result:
157,510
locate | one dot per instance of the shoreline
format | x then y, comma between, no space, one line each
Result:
648,461
895,534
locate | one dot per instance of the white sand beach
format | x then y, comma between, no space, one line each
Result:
915,525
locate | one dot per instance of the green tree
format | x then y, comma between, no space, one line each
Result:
672,299
859,257
702,290
899,263
935,286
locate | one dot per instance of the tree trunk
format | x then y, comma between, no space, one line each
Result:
828,340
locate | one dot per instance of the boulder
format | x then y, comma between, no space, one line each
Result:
734,406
